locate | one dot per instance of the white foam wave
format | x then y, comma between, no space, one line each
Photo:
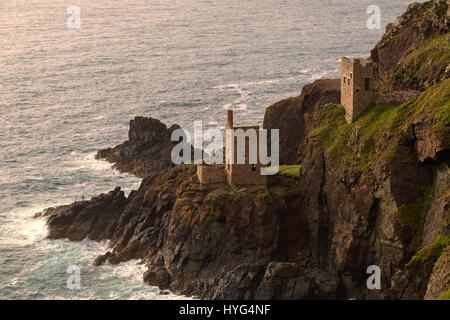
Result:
87,160
21,228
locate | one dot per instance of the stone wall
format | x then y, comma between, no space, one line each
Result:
211,173
243,174
357,87
363,82
347,88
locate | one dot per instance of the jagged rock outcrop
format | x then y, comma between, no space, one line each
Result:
147,150
95,219
314,240
377,216
413,55
440,277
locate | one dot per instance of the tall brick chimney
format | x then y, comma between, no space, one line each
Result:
229,119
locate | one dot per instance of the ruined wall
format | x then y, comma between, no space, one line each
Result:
243,174
347,88
363,82
357,82
210,173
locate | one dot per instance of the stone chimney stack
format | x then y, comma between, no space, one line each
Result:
229,119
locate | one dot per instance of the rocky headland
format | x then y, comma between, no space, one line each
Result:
147,150
373,192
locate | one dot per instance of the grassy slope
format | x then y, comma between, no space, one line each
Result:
333,133
430,58
428,256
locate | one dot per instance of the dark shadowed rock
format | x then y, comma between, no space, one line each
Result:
95,219
212,242
147,150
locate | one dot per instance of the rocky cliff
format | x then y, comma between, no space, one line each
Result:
212,241
147,150
291,116
405,58
374,192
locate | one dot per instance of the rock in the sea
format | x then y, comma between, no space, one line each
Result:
95,219
147,150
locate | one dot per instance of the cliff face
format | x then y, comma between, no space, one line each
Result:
291,116
413,54
374,192
364,197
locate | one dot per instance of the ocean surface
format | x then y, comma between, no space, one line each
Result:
65,93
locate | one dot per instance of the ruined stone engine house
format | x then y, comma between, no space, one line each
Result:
357,82
234,173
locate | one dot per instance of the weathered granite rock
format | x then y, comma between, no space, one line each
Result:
95,219
220,242
212,242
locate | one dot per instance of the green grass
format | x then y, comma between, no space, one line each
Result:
426,59
334,132
290,170
428,256
285,190
436,103
285,170
444,296
378,125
